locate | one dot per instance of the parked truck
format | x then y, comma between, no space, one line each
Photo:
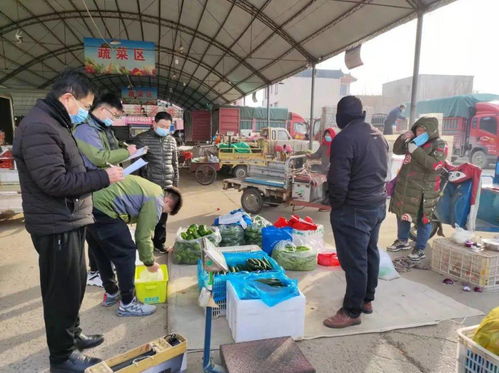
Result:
472,120
202,125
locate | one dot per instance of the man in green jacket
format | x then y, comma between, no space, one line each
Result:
418,184
133,200
98,147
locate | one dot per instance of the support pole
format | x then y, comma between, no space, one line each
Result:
415,73
311,129
268,106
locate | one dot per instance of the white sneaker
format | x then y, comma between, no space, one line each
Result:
135,308
93,279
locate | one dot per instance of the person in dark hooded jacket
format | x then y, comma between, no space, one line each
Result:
357,195
418,184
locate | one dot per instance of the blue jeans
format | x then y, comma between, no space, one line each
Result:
424,231
356,232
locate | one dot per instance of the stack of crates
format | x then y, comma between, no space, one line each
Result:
462,264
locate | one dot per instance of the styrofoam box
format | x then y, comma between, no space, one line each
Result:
251,319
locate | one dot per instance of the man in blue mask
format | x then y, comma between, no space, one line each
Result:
162,168
357,195
56,191
99,147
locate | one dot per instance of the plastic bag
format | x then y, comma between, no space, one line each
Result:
232,235
253,233
387,270
295,257
460,235
238,216
487,333
188,251
271,288
272,235
310,238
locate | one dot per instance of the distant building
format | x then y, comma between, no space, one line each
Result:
294,93
430,86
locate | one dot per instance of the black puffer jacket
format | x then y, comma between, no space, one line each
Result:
162,157
54,183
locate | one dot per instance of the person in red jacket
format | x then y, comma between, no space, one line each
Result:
324,151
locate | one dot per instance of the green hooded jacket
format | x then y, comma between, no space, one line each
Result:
418,182
134,200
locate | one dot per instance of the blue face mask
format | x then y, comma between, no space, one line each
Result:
108,122
421,139
328,138
161,131
79,117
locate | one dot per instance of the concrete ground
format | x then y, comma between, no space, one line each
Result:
22,336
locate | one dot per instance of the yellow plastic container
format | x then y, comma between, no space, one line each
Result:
151,292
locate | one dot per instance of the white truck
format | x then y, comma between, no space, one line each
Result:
281,136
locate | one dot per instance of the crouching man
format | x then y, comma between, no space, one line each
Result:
134,200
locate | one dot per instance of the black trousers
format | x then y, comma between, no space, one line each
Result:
356,232
92,262
63,277
112,243
159,238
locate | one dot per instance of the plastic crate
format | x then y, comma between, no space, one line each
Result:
460,263
473,358
233,259
151,292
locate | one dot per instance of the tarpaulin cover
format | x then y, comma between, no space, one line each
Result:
456,106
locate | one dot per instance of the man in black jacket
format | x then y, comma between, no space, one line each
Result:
162,168
57,203
356,182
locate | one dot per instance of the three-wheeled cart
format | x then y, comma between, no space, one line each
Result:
279,182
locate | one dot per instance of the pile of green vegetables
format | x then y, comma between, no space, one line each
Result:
232,235
187,247
253,233
196,231
295,258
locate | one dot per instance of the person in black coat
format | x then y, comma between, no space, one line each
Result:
392,118
56,191
356,180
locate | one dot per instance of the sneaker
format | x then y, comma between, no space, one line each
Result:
398,245
93,279
110,299
135,308
417,255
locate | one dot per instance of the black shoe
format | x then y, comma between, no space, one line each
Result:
76,363
160,250
88,341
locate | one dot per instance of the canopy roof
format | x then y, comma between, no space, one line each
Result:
207,51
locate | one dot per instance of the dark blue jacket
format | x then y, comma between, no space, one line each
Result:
359,163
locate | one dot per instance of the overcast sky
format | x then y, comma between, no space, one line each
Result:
460,38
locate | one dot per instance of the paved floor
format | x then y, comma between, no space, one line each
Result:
22,338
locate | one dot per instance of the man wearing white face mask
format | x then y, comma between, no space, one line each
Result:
99,147
95,137
162,168
56,191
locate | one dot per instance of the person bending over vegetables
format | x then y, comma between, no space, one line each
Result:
133,200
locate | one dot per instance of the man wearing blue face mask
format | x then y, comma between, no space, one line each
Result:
95,137
162,168
99,147
56,191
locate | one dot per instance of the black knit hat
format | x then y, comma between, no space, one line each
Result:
178,205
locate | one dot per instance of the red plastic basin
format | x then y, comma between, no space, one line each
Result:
328,259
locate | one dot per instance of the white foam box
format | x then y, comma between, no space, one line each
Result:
251,319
